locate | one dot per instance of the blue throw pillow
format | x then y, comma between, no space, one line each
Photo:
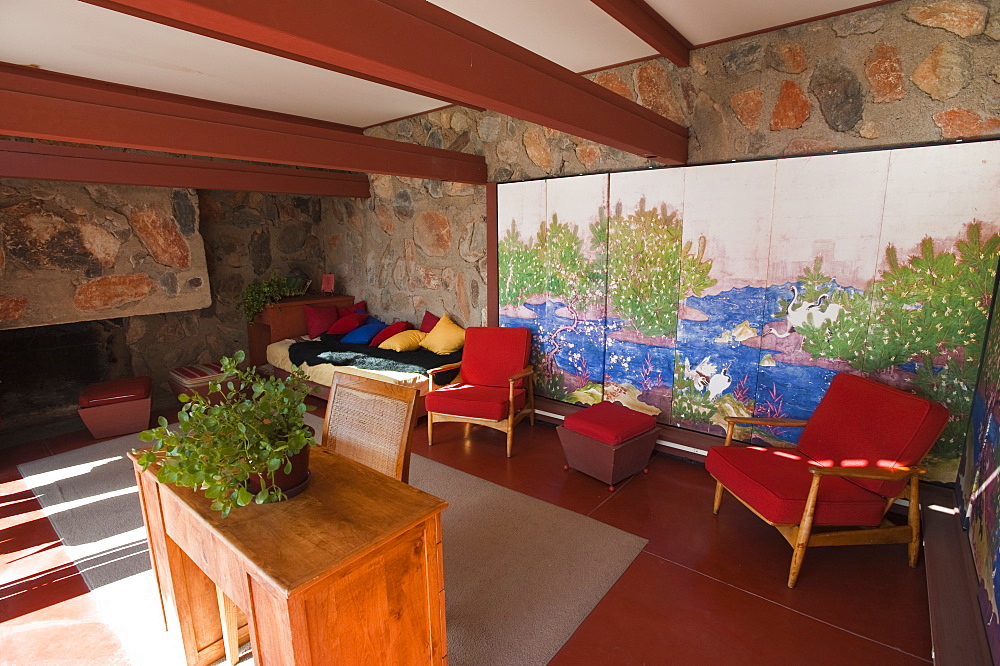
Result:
362,335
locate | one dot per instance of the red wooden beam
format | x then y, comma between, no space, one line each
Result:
39,161
416,44
43,105
647,24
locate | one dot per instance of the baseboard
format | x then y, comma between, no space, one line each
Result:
958,636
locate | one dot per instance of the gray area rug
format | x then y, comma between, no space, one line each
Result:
520,574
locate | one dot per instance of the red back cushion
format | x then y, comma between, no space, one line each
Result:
428,322
492,355
318,320
389,331
360,306
348,323
862,422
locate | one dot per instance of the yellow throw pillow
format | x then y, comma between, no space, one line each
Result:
405,341
446,337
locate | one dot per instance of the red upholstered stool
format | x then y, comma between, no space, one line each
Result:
116,407
608,441
194,378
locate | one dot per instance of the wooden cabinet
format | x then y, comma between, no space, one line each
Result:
285,319
348,572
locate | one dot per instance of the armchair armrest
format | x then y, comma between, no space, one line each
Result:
442,368
521,374
875,473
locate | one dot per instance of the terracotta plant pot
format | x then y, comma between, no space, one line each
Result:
292,483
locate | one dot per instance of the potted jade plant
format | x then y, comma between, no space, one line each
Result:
259,293
244,441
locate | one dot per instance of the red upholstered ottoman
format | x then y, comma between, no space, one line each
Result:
194,378
116,407
608,441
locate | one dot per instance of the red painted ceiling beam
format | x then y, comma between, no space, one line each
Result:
417,44
39,161
64,108
647,24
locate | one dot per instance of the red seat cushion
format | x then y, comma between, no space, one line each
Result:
775,482
609,422
493,354
860,422
478,402
196,375
116,390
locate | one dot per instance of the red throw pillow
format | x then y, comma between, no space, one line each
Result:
318,320
389,331
348,323
360,306
429,322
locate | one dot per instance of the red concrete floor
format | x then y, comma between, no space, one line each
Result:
705,590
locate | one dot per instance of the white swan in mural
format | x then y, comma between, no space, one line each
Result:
818,316
719,383
701,373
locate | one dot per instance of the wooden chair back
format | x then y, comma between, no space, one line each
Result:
371,421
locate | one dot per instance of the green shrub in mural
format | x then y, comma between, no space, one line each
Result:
521,275
929,311
648,268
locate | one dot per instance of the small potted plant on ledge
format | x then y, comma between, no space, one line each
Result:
260,293
251,445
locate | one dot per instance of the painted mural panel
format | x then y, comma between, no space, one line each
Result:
572,329
716,373
938,256
752,300
645,263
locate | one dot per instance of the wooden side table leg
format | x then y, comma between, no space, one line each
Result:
230,626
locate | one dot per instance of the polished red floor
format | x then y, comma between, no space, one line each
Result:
705,590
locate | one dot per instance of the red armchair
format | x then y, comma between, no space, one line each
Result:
495,385
858,453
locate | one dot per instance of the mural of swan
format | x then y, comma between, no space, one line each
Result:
719,383
818,316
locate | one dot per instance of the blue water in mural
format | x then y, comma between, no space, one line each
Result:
587,351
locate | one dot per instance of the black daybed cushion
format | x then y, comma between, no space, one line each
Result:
329,349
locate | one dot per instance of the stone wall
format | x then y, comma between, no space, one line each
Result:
247,235
71,252
899,74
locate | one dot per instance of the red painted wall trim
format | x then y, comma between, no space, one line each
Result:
62,108
417,44
492,266
650,27
19,159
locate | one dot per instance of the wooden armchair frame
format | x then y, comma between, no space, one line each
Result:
800,536
504,425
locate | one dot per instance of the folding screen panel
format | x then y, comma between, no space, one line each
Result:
739,289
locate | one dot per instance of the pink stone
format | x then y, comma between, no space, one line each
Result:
747,106
791,109
589,155
12,308
458,189
944,72
386,218
809,146
885,74
107,292
614,83
790,57
959,123
655,92
432,233
463,298
962,18
537,147
162,237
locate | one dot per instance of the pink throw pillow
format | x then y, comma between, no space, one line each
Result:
348,323
318,320
429,322
389,331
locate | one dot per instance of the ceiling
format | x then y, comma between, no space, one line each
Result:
72,37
